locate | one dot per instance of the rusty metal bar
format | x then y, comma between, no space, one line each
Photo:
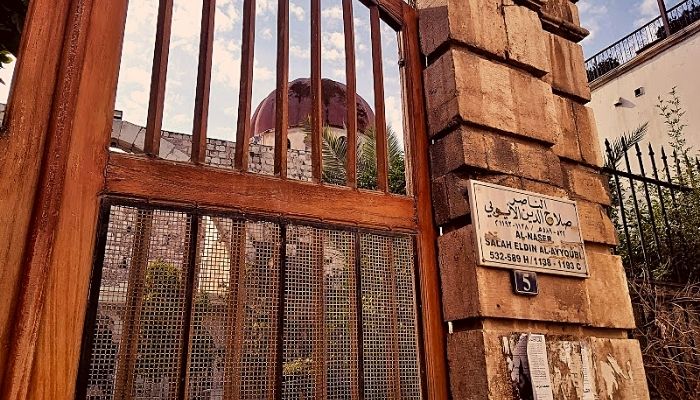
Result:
245,96
351,96
281,103
380,118
158,77
201,101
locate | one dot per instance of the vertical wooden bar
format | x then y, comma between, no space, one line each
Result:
159,74
380,118
281,103
431,313
351,95
201,101
19,348
316,121
245,95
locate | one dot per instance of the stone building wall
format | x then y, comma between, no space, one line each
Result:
506,89
220,153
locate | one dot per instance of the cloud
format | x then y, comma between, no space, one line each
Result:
592,13
263,7
299,52
394,115
333,46
339,73
226,63
297,11
267,33
647,10
335,12
227,17
261,73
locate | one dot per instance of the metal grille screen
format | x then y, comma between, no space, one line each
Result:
202,306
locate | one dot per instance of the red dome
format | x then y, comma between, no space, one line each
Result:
333,98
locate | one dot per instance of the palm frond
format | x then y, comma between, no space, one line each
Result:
335,150
619,146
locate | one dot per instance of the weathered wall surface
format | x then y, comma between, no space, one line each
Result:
506,91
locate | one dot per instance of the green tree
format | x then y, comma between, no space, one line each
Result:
335,156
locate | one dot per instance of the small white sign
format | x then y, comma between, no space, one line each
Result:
586,373
523,230
539,367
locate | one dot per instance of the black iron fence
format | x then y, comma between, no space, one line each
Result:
624,50
656,210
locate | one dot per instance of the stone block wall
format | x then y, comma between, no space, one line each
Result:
506,89
220,153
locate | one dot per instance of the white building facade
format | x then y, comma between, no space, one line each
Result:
627,96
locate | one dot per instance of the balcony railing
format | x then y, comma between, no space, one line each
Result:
624,50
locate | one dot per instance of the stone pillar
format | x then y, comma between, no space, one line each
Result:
506,90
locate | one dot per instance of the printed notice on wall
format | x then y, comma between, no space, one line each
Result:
527,231
586,373
539,367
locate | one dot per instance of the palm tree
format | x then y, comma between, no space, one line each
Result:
335,155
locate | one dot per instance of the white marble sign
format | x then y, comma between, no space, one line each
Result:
527,231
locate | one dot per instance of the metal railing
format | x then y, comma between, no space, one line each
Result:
627,48
656,210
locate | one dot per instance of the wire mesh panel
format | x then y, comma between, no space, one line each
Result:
406,330
340,315
389,338
303,314
189,307
320,339
211,366
259,301
138,334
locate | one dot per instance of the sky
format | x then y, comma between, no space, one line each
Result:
136,63
611,20
132,93
607,20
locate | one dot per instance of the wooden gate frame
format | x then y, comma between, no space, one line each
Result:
56,139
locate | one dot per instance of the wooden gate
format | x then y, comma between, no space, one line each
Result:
220,282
